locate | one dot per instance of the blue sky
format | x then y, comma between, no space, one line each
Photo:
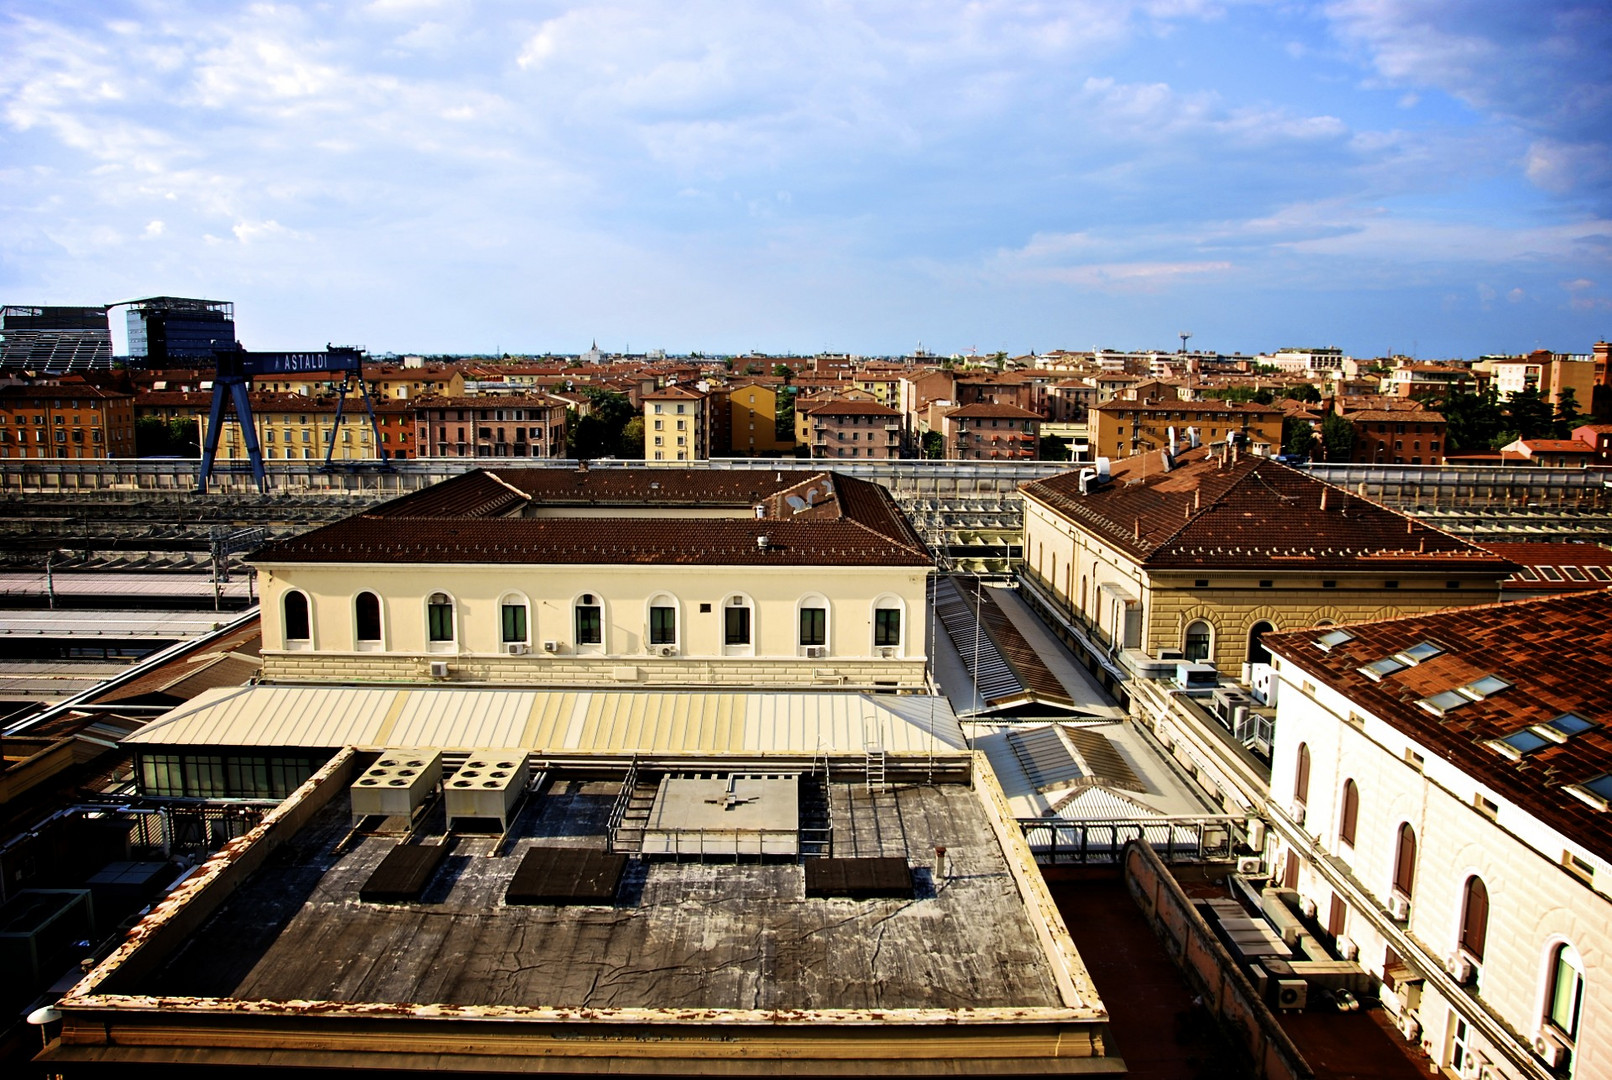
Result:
467,175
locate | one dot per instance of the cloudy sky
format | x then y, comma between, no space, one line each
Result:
1423,176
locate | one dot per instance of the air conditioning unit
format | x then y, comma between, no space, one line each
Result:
1410,1027
816,652
1307,907
1250,865
1475,1066
1296,812
1550,1048
439,669
665,650
1399,907
1292,994
1459,967
1347,949
551,646
516,648
887,652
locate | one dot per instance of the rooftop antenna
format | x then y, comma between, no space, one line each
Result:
1183,335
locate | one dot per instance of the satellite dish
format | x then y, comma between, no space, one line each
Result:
796,503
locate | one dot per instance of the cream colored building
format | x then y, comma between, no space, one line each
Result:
1200,559
546,577
1439,791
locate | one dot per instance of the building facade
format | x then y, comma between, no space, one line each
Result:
990,433
546,577
1440,788
1119,429
71,420
849,428
524,425
676,425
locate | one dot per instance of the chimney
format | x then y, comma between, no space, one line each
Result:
1323,497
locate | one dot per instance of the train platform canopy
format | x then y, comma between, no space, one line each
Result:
558,723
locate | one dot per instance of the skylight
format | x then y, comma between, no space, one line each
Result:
1377,669
1598,573
1422,650
1569,724
1480,688
1526,742
1332,639
1550,573
1601,785
1441,703
1573,573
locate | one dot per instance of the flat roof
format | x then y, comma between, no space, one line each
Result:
560,722
268,955
81,623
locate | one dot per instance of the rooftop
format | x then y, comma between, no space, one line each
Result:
1254,513
658,516
1554,656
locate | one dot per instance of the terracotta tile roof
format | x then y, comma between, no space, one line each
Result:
1557,654
1558,446
1395,416
1556,567
984,411
674,393
1212,405
848,407
811,519
1251,513
487,401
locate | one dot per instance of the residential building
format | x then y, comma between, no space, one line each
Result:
1201,556
1553,453
676,425
753,419
68,419
504,425
1120,429
1413,379
1552,374
988,432
1599,438
1439,792
291,427
845,427
547,577
1398,437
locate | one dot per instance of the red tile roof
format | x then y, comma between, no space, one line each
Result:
1251,513
985,411
1557,654
1556,568
811,519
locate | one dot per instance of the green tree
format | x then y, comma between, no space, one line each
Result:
1529,414
1053,448
933,445
156,437
1238,395
1298,436
1473,422
1305,392
1337,438
1567,415
783,428
632,438
599,433
784,372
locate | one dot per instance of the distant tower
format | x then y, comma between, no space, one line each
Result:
1183,335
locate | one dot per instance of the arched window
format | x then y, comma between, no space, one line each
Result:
1257,652
738,631
1475,917
513,628
887,623
588,623
367,617
1349,816
439,618
1405,860
662,622
1564,997
297,624
1199,641
812,623
1301,776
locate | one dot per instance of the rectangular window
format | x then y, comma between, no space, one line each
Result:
514,622
590,627
814,626
663,626
887,627
736,626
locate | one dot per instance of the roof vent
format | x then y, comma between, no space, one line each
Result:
762,542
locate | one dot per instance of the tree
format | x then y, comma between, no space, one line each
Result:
1473,422
784,372
1337,438
1237,395
933,445
783,428
1529,414
1298,437
599,434
156,437
632,438
1305,392
1567,415
1053,448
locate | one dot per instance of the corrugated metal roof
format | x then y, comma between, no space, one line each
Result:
601,721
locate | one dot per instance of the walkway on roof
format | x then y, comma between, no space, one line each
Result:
561,722
1021,669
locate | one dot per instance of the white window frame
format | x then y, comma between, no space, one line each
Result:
749,603
379,644
664,599
887,602
815,600
451,645
514,598
289,643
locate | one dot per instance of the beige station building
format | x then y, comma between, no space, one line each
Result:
1197,557
623,577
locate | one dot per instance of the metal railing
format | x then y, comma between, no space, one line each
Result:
1057,842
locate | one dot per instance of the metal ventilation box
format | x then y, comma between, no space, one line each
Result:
487,785
397,784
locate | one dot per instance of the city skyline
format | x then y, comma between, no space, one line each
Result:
416,176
